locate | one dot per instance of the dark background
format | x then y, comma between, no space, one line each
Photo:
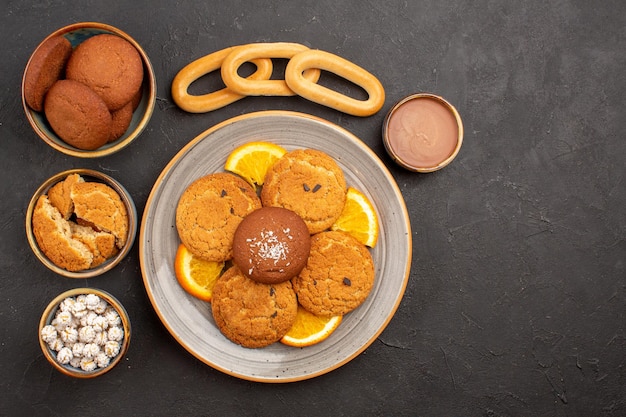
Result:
516,301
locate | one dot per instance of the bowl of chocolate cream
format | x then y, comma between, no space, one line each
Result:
423,132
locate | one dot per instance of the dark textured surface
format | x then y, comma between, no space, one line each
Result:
517,296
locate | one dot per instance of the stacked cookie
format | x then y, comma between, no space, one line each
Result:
88,94
281,251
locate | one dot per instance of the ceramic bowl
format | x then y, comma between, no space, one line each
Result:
101,365
77,33
423,132
88,175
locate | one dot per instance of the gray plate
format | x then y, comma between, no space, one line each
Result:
190,321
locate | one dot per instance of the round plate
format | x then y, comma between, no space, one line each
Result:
190,321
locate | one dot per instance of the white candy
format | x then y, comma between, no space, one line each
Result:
100,324
56,344
77,349
87,364
112,348
92,301
75,362
87,319
86,334
65,355
116,334
101,338
113,318
102,360
102,306
79,309
69,335
48,333
91,350
63,319
67,304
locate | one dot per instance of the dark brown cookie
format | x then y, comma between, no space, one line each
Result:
209,211
78,115
136,99
308,182
271,245
338,276
109,65
46,66
121,119
250,313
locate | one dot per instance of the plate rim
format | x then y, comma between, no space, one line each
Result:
182,152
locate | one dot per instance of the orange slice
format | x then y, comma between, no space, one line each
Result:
196,275
358,218
310,329
252,160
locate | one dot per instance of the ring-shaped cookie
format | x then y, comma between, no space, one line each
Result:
341,67
217,99
265,87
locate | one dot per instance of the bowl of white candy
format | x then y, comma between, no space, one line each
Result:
84,332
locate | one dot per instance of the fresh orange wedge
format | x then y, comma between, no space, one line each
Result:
358,218
310,329
196,275
252,160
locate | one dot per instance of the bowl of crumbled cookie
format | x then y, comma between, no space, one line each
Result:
88,89
81,223
84,332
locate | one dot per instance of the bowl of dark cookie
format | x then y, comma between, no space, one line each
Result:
81,223
88,90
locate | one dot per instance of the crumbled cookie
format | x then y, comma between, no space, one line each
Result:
76,243
101,244
54,237
100,205
60,195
